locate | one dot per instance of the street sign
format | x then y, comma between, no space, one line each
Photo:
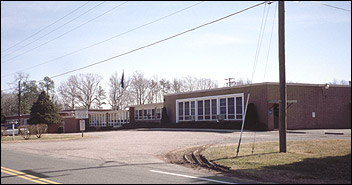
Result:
81,114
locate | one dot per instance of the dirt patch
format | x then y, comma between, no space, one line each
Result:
192,158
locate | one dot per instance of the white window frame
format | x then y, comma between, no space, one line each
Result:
218,97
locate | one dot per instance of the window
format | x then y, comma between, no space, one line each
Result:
149,113
231,108
140,116
158,113
193,110
200,110
239,107
180,111
227,107
213,108
136,114
207,109
223,106
145,114
153,113
186,110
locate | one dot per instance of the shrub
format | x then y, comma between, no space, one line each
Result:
60,129
164,117
26,131
252,121
40,129
3,131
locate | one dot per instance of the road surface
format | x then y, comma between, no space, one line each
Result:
128,156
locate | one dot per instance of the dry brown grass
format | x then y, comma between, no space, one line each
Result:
323,161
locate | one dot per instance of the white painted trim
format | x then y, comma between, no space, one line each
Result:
217,97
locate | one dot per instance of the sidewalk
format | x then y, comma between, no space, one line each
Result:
322,131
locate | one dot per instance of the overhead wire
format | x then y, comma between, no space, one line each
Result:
335,7
260,38
72,29
46,26
46,35
160,41
267,56
116,36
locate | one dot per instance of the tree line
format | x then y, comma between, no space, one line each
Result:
86,91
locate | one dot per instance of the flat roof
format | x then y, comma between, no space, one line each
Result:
257,84
152,105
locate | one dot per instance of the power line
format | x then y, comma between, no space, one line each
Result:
331,6
168,38
267,56
149,23
46,27
46,35
260,38
72,29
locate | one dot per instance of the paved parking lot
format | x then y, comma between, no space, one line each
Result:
147,145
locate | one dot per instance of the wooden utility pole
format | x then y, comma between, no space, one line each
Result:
19,102
283,95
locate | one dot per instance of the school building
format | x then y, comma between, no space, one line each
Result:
310,106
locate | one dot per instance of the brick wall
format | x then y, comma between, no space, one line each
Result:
332,107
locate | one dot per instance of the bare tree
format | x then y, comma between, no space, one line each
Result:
155,94
165,86
139,88
88,87
119,98
194,84
190,84
9,103
241,81
19,76
100,98
29,91
177,86
68,92
339,82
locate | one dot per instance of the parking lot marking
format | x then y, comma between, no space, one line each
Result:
192,177
27,176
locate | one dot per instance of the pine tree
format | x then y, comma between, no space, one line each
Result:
2,116
44,111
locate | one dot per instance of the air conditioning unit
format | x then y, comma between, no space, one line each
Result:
220,117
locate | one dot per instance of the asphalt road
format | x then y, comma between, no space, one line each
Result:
127,156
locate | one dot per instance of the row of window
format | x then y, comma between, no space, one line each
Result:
109,119
148,114
229,107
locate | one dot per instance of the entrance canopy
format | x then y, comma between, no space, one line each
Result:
289,102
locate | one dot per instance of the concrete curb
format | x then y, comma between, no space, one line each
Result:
296,132
334,133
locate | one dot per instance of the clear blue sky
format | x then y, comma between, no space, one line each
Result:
318,40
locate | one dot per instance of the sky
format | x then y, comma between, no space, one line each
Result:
50,38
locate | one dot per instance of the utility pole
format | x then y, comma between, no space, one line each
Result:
19,102
283,95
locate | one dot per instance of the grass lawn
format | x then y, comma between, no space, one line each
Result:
312,162
45,137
